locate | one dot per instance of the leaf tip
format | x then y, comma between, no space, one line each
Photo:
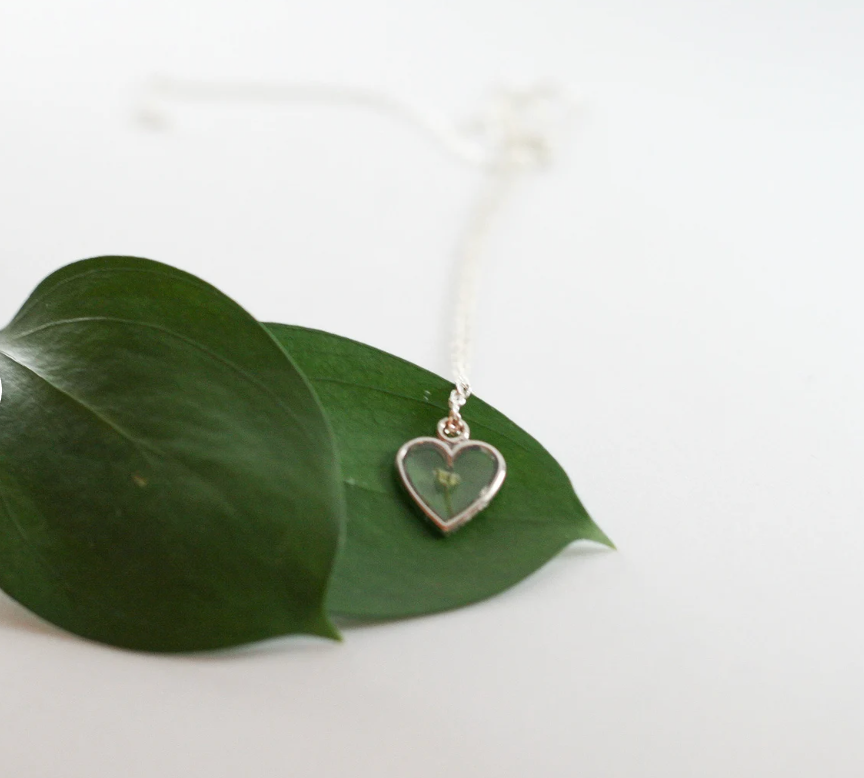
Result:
323,627
598,536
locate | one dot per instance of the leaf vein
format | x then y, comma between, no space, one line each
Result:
143,446
246,375
416,400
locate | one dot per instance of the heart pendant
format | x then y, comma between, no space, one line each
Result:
451,480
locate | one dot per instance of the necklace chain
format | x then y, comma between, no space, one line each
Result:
511,136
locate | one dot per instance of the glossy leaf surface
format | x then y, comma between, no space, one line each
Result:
168,480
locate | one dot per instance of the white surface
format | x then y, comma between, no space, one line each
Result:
686,283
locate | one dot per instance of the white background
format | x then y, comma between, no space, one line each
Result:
674,309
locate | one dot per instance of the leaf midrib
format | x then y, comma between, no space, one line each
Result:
141,445
247,376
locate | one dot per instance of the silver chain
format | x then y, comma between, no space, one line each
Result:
509,137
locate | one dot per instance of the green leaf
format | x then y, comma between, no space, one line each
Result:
394,564
168,480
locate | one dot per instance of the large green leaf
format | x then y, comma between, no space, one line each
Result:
395,564
167,478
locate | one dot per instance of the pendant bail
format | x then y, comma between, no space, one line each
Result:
452,432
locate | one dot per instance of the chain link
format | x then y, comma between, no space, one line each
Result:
512,135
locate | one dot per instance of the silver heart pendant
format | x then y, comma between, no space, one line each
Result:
451,478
